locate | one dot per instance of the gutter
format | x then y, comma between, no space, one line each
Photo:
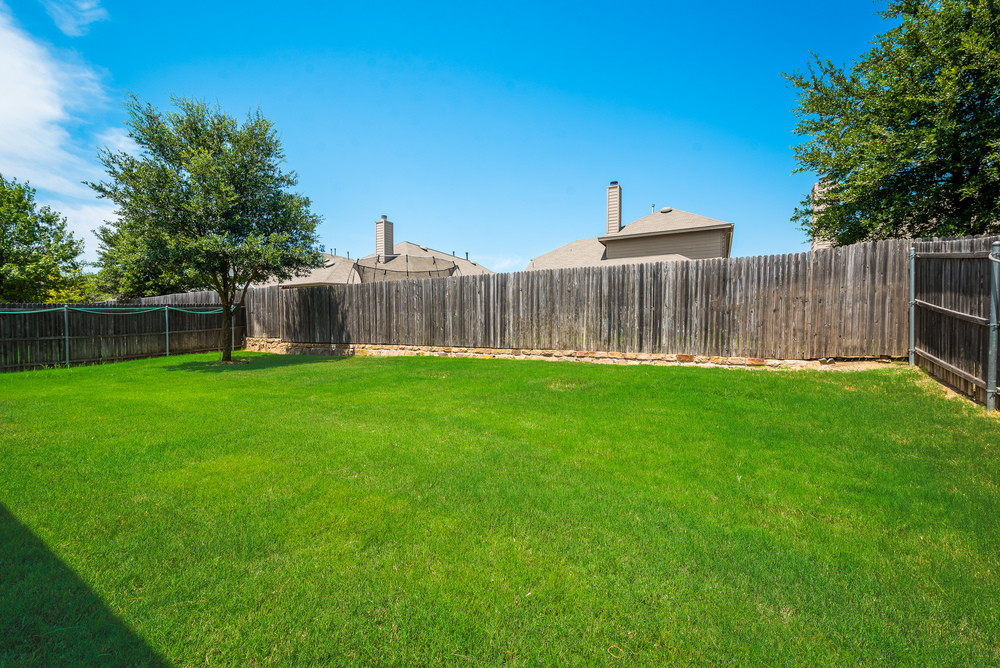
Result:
614,237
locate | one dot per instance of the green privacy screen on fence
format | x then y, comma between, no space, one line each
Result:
36,336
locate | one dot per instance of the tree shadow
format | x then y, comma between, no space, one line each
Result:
244,363
50,617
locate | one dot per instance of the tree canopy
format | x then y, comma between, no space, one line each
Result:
75,288
37,252
204,204
907,141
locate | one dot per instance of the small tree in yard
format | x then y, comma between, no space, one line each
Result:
203,204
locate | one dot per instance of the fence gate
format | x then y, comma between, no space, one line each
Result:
954,299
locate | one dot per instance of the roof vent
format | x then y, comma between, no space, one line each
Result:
666,209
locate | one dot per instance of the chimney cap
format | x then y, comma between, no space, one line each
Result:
614,183
385,217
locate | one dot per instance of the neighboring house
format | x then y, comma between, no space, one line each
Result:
396,262
389,262
335,270
662,236
408,260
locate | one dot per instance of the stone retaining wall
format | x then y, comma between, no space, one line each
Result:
377,350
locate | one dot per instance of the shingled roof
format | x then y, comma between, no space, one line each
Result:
335,270
465,267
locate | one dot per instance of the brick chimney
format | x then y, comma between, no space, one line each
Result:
614,207
383,237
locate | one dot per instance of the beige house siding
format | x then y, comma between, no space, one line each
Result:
698,245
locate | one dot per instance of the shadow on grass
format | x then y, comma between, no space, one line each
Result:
50,617
245,363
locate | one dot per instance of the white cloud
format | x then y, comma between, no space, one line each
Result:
74,17
82,218
41,92
117,140
46,97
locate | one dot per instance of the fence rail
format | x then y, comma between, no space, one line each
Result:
44,335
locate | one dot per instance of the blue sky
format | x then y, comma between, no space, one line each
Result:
492,130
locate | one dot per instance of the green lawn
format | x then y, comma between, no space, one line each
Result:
427,511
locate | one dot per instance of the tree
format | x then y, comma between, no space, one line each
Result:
36,249
205,203
906,143
75,288
132,267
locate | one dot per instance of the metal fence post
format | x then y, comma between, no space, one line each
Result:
66,331
991,370
913,306
166,319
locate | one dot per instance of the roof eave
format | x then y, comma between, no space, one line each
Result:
701,228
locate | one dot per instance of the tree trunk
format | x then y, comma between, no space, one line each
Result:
227,337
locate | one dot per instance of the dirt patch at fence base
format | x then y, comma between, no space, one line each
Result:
844,365
592,356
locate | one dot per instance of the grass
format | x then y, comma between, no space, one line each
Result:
301,511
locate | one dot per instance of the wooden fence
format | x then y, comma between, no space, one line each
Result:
952,291
843,302
849,302
44,335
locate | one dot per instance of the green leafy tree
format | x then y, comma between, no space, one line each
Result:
907,141
205,203
131,266
36,249
76,288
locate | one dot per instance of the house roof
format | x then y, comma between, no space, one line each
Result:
465,267
589,253
666,221
336,269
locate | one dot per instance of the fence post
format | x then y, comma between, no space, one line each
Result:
66,331
913,306
991,370
166,319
